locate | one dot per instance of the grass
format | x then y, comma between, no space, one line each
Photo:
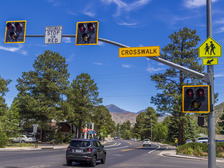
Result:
200,149
19,145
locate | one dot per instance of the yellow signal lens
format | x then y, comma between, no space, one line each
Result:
195,104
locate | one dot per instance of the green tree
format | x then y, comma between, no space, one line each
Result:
182,51
160,132
102,117
12,120
142,126
221,124
41,91
82,97
3,109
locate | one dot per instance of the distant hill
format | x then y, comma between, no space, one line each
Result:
113,108
218,111
120,115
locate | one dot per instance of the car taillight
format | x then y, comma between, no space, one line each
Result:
89,150
68,149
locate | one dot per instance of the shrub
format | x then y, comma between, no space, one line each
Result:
189,151
3,139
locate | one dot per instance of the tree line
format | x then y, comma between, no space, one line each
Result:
45,94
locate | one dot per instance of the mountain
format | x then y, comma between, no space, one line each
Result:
113,108
124,117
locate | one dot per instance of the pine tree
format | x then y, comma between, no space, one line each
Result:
41,90
182,51
82,97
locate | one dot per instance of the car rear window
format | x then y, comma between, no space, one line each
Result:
146,140
80,143
202,138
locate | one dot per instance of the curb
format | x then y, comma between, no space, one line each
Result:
168,154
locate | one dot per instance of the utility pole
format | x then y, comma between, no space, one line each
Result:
211,116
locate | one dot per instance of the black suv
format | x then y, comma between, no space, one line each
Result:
85,150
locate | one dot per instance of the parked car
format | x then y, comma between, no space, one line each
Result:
23,138
147,142
85,150
202,140
188,141
116,137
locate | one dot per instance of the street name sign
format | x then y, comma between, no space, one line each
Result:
139,51
53,35
210,61
210,48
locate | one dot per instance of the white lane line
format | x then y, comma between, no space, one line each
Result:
154,149
116,144
117,148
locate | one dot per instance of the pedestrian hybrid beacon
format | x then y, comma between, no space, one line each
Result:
196,99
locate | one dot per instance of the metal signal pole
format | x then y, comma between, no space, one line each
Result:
211,116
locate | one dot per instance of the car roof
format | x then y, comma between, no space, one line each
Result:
85,139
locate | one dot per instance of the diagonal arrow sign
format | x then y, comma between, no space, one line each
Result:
209,61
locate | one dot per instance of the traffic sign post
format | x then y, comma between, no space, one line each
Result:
211,116
53,35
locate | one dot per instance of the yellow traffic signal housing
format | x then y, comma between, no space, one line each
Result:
87,33
15,31
196,99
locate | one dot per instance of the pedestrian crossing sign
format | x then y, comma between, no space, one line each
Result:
210,48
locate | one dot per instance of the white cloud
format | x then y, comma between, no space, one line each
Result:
70,58
220,30
14,49
218,75
98,63
127,24
67,40
122,6
152,70
221,21
126,66
11,49
100,43
89,11
196,3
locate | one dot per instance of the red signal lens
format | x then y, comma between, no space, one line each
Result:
90,27
201,93
10,26
19,26
82,27
190,93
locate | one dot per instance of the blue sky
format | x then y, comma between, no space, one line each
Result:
124,82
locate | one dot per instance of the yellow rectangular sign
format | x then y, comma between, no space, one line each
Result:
210,61
139,51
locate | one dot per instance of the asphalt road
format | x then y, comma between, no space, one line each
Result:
120,154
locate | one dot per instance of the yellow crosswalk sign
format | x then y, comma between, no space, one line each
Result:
210,61
210,48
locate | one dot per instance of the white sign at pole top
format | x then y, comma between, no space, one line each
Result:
35,128
53,35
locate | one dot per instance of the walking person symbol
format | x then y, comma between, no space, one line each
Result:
206,49
212,46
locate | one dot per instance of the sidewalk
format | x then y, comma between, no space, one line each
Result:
44,146
171,152
40,147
